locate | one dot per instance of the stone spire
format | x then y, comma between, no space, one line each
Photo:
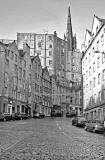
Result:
74,42
64,37
69,33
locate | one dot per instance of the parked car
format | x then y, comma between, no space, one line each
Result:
23,116
41,115
79,121
53,114
56,114
36,115
16,116
94,126
71,114
7,116
68,114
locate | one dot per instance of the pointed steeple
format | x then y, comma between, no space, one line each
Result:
74,42
64,37
69,33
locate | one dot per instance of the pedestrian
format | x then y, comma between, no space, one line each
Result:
104,126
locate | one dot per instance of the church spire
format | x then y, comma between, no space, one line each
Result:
74,42
69,33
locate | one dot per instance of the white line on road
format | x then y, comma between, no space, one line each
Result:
67,135
10,146
59,127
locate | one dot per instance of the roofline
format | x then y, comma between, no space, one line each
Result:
93,39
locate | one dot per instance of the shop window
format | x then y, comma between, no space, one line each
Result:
4,108
22,108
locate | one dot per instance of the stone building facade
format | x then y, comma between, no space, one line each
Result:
46,92
93,70
14,79
36,75
51,49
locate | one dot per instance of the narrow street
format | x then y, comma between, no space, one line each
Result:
49,139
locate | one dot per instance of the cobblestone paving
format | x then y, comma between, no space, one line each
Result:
49,139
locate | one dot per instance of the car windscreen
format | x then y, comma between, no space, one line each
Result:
82,119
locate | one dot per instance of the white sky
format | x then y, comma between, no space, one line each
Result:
39,15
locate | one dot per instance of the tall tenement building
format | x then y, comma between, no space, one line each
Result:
93,70
51,49
55,53
60,56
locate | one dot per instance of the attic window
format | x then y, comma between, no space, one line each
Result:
89,42
93,35
96,29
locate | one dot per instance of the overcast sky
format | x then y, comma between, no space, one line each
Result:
39,15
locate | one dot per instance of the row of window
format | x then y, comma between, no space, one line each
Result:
98,45
97,29
46,83
15,57
50,38
100,78
99,62
38,88
38,98
97,98
41,45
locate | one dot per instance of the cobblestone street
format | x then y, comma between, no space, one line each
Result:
49,139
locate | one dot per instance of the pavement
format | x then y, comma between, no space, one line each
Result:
49,139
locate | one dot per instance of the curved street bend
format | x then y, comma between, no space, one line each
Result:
49,139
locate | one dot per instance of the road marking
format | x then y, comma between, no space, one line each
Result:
59,127
57,124
11,125
66,135
10,146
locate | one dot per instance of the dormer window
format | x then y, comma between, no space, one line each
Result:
96,29
88,42
98,62
97,45
93,51
102,40
93,35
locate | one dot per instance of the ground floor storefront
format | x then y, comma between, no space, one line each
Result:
47,111
9,105
96,113
74,108
40,108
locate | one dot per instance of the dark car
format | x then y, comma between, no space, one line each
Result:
79,121
94,126
23,116
41,115
7,116
68,114
16,116
53,114
71,114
